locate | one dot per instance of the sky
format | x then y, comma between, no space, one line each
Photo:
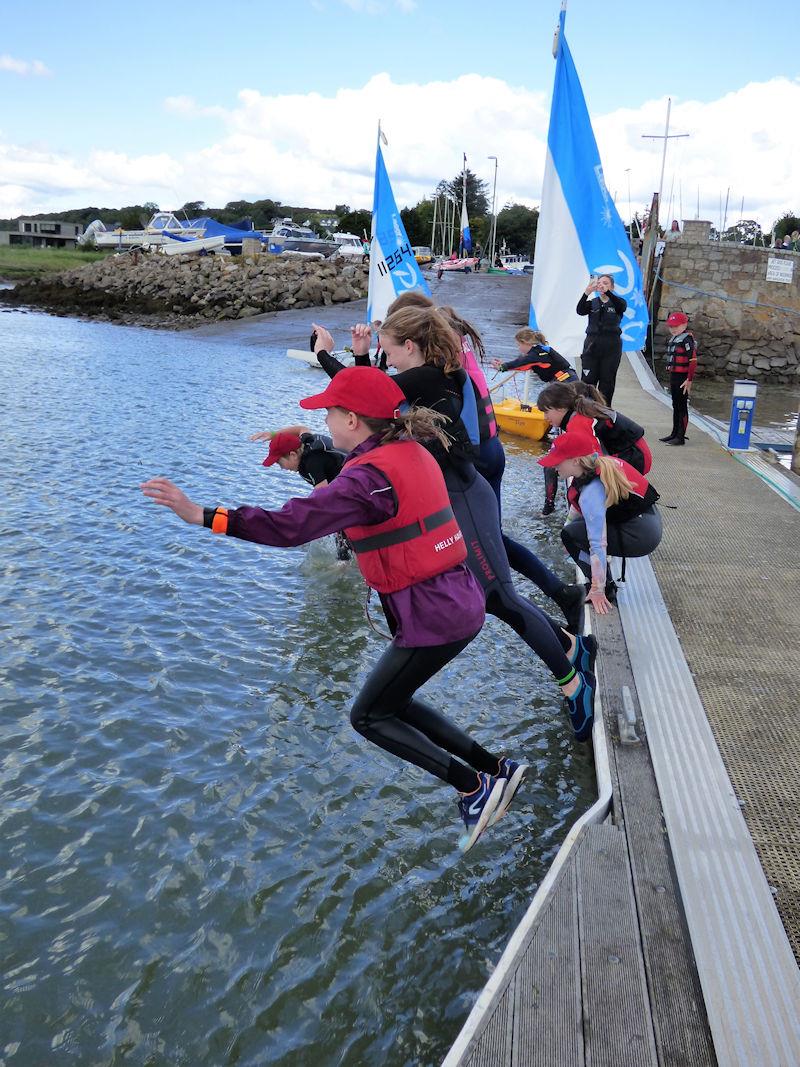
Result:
119,103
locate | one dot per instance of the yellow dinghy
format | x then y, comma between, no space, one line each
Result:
524,420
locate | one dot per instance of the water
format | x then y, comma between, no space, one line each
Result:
201,862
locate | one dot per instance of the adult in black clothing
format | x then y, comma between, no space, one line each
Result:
426,353
602,349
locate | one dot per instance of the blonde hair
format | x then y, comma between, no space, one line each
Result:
418,424
430,331
615,483
464,329
527,336
412,299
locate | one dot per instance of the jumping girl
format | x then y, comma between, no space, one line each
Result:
426,353
614,507
391,501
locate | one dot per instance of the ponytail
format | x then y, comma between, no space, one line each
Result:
527,336
590,401
464,329
615,482
417,424
559,395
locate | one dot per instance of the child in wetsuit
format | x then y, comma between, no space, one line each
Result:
681,364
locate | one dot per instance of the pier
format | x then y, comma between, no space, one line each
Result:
667,931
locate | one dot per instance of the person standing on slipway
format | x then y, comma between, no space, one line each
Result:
602,349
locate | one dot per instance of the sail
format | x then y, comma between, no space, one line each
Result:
579,231
392,267
465,240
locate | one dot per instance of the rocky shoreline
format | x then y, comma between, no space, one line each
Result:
182,292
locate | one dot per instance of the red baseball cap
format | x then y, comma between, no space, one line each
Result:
364,390
677,318
570,446
281,445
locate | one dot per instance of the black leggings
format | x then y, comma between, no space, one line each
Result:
475,509
388,715
680,405
600,362
631,539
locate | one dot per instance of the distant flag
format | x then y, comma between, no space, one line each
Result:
465,241
393,268
579,232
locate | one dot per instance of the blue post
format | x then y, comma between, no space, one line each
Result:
743,406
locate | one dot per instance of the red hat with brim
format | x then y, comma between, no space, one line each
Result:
281,445
570,446
364,390
677,318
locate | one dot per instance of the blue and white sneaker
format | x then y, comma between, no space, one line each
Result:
477,807
581,707
585,653
513,773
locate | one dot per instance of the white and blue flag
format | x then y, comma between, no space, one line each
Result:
393,268
579,232
465,240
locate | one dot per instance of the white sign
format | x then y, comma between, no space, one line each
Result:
779,270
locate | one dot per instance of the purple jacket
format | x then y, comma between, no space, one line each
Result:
448,607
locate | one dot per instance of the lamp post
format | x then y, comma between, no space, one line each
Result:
493,231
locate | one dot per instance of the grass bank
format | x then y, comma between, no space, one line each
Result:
19,262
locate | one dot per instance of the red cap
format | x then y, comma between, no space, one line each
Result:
570,445
677,318
364,390
281,445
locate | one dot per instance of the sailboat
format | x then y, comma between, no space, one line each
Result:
521,417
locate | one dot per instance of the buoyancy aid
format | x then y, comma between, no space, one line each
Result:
618,434
487,424
423,538
682,353
641,497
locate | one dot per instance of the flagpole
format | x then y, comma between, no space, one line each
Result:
493,234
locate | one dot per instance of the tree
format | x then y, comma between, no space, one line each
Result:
192,209
787,223
134,217
744,232
516,225
477,199
357,222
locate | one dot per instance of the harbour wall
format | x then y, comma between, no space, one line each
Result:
183,291
746,324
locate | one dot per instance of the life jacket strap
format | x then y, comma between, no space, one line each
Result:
403,533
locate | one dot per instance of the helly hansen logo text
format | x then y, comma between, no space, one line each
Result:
440,546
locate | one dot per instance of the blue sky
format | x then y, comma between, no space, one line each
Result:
112,68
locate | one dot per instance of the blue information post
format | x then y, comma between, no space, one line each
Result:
743,406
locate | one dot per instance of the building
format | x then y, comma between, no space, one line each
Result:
42,233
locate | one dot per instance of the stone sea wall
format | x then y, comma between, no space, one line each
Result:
183,291
759,340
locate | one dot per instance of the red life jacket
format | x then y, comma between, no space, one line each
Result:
487,424
641,497
423,538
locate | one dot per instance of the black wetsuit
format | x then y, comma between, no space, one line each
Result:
602,349
321,462
545,362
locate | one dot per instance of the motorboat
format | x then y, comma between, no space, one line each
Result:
349,245
159,229
288,236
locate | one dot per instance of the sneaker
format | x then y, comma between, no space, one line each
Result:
548,509
581,707
477,807
513,773
571,599
585,653
668,439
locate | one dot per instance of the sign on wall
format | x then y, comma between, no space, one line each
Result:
779,270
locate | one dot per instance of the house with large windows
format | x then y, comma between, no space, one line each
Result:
42,233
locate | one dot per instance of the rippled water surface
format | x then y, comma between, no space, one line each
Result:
201,862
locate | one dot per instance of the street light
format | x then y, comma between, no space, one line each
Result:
493,232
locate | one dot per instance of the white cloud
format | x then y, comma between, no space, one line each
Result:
319,150
24,66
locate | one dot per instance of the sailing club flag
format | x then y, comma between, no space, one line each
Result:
393,268
580,232
465,240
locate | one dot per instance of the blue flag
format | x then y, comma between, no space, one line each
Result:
393,269
465,240
580,232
